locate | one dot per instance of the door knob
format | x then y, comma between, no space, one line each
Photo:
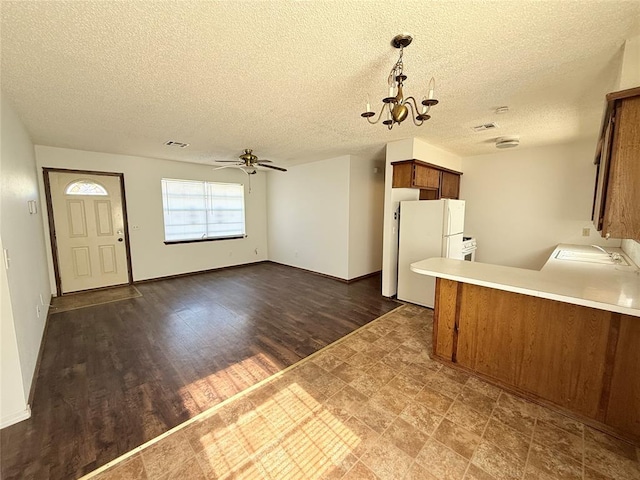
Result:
120,239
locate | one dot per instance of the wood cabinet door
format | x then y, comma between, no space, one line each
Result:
622,192
550,349
449,185
402,176
426,177
623,410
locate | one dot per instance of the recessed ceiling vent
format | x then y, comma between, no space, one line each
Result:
171,143
486,126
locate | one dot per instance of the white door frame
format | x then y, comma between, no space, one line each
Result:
52,226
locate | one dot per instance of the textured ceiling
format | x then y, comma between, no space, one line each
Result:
290,79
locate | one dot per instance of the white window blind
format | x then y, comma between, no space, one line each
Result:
195,210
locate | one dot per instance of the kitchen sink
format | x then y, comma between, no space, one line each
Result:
592,257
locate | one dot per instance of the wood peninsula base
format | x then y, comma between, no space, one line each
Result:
584,360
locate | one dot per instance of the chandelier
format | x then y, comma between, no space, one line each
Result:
396,105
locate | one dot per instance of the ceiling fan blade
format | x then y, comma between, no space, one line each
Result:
228,161
239,167
228,166
267,161
275,168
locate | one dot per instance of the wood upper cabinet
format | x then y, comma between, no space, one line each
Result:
449,185
616,209
425,177
434,182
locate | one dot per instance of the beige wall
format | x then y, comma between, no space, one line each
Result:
150,257
25,288
521,203
13,402
629,76
366,203
309,217
326,216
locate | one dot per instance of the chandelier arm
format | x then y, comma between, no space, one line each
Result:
417,110
379,116
415,104
414,111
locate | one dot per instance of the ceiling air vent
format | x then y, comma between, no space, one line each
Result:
171,143
486,126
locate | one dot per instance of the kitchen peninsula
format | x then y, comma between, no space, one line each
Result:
567,335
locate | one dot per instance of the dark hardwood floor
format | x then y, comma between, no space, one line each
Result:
114,376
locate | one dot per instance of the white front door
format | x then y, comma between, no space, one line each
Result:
89,230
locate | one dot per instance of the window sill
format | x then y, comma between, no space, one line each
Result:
198,240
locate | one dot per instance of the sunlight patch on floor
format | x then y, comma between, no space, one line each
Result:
289,435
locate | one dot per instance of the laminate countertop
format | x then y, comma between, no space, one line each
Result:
615,287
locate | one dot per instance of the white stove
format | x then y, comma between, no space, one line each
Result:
469,246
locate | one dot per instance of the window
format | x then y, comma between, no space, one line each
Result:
85,187
196,210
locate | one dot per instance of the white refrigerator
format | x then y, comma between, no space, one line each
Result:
428,228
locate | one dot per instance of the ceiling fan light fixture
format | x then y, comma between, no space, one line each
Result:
397,107
248,163
507,142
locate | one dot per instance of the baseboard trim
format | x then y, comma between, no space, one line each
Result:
362,277
229,267
15,418
198,272
343,280
34,379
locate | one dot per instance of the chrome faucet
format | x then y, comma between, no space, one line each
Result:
614,256
601,249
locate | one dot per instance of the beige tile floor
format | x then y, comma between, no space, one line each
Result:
375,406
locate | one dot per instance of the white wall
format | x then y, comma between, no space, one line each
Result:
151,258
521,203
13,403
308,211
26,279
366,204
630,68
407,149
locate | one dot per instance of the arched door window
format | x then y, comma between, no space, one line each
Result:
85,187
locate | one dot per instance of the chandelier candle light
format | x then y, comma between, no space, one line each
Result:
396,106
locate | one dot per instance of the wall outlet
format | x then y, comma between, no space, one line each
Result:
586,232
